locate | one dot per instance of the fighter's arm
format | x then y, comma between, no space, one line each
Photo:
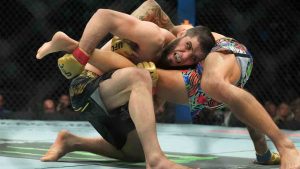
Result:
112,60
106,21
171,86
152,12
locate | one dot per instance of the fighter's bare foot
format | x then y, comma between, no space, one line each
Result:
164,163
290,160
59,42
61,146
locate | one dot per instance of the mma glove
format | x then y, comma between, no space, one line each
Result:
120,46
73,64
150,66
69,66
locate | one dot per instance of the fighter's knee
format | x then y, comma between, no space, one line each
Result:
139,76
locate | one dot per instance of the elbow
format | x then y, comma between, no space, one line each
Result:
106,17
103,13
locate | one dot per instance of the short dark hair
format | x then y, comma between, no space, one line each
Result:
204,37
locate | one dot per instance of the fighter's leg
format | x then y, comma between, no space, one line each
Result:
103,60
59,42
264,156
217,82
258,139
134,85
67,142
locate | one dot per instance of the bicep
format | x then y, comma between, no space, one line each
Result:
128,27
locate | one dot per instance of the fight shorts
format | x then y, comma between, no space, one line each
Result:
114,125
198,100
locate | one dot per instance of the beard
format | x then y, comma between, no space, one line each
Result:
164,61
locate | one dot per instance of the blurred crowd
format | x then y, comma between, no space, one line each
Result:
263,26
285,114
49,109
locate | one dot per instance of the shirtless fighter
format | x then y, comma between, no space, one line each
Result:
225,54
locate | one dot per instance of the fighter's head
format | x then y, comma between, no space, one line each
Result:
189,48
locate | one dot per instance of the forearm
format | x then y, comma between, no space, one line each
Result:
151,11
171,86
107,60
96,29
106,21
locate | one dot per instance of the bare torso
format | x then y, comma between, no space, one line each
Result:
150,49
145,48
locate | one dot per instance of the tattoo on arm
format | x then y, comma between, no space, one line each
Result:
152,12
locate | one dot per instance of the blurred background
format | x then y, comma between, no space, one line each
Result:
31,88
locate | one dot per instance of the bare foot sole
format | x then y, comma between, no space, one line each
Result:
59,148
59,42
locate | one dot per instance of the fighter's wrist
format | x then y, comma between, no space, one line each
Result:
264,157
81,56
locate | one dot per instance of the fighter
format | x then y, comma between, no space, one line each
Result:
225,80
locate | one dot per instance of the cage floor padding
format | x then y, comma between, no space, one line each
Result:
22,143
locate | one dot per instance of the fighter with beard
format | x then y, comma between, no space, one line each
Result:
118,103
186,51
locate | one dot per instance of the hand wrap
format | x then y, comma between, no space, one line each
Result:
80,56
268,158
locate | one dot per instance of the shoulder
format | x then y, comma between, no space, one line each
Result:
217,35
219,57
168,36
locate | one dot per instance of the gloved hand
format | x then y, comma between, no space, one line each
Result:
69,66
121,47
150,66
268,158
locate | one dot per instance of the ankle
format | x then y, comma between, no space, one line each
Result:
285,145
260,146
266,156
66,139
155,159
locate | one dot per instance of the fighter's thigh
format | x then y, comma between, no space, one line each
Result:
133,149
116,91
